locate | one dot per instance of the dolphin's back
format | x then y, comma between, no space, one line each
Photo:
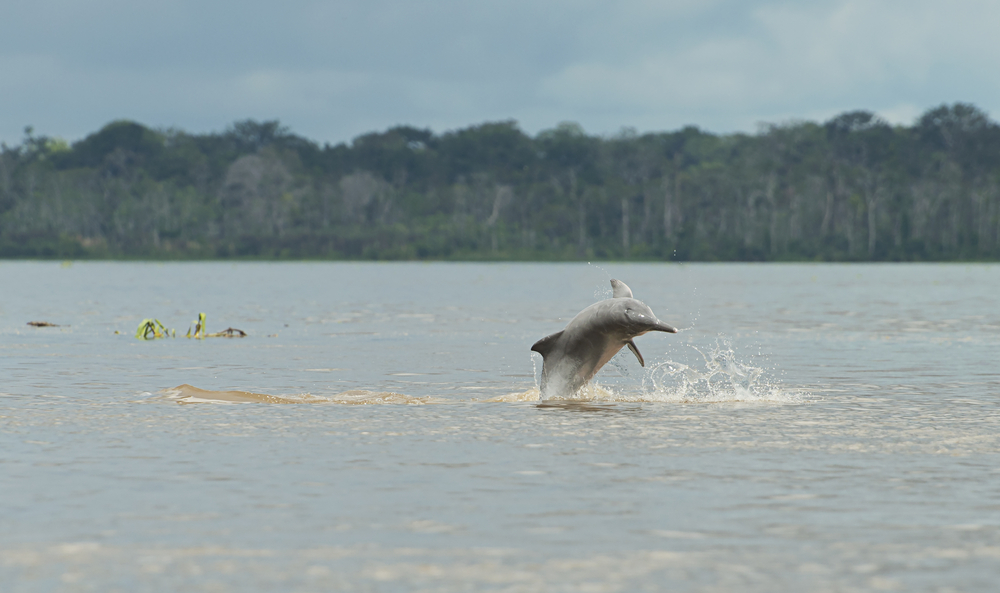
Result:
572,356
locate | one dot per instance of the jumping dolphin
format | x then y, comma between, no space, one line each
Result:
573,356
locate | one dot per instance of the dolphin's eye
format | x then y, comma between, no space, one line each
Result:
636,316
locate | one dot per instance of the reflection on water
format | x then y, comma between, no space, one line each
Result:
817,428
570,405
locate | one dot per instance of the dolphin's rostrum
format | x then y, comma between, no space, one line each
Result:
573,356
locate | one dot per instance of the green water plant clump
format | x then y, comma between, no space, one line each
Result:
151,329
199,328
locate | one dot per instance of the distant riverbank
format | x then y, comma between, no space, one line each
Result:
850,189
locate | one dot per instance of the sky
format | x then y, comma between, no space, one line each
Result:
331,71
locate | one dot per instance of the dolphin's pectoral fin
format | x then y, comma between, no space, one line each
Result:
545,345
631,346
620,290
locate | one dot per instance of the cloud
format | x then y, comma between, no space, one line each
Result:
795,59
332,70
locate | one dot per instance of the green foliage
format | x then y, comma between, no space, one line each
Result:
851,188
114,145
151,329
199,328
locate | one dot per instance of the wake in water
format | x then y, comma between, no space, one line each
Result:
188,394
721,377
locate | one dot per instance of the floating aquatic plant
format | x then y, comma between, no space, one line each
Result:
199,328
151,329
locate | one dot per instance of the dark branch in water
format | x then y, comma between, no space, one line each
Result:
229,332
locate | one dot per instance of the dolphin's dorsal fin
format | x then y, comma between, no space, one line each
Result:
544,346
635,350
621,290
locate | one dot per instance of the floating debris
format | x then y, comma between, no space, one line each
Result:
42,324
200,332
151,329
229,332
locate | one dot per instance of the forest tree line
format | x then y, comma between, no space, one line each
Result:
853,188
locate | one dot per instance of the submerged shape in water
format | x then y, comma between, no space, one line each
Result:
188,394
572,357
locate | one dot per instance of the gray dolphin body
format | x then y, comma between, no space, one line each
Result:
573,356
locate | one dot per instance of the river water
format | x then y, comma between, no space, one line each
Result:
811,428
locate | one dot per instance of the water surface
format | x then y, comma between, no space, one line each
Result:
813,427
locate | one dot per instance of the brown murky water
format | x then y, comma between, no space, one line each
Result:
814,427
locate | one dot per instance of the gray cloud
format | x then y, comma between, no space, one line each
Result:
332,70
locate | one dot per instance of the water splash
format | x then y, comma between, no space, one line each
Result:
621,362
722,377
593,392
719,377
603,290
